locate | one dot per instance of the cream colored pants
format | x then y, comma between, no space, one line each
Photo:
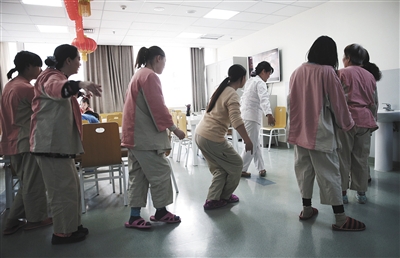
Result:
353,158
325,167
225,165
253,129
30,201
149,168
62,182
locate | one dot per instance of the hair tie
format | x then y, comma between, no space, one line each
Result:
54,60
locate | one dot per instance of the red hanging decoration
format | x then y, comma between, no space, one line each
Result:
79,29
86,47
72,9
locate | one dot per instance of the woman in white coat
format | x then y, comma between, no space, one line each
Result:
255,104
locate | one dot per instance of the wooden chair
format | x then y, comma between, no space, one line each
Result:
102,148
279,129
116,117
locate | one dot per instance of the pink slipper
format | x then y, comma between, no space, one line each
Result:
139,223
314,212
169,218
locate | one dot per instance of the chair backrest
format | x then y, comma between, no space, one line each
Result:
182,123
280,117
116,117
102,145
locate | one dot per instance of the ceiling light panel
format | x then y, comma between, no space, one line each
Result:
54,3
52,29
220,14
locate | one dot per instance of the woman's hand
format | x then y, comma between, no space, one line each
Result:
249,146
178,132
91,87
271,119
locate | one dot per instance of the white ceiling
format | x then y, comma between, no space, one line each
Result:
140,25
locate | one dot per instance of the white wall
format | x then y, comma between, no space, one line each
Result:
375,25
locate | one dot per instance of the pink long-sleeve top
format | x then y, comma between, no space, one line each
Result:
15,116
359,86
145,116
316,106
56,121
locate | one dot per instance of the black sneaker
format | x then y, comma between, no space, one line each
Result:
83,230
74,238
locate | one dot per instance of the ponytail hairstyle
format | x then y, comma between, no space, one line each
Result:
235,73
264,65
61,53
371,67
147,55
355,53
324,52
24,59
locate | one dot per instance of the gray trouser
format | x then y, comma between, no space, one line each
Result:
149,167
225,165
62,183
353,158
30,201
325,166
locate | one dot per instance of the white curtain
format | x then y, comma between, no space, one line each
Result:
6,64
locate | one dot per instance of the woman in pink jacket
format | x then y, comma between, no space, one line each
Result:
144,124
30,203
362,98
56,138
317,106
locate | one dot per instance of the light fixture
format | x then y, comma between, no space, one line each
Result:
220,14
52,29
53,3
188,35
159,9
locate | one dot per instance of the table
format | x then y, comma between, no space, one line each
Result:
193,121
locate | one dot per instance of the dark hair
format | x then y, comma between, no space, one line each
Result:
146,55
85,100
235,73
324,52
371,67
355,53
24,59
264,65
61,53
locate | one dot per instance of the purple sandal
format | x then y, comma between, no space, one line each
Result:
169,218
139,223
214,204
233,198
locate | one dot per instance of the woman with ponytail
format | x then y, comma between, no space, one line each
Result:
144,132
30,203
359,84
224,162
255,104
56,137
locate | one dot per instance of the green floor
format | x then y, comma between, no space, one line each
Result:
263,224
